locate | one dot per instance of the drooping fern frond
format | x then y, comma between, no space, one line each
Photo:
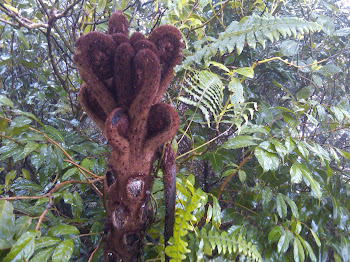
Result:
226,244
206,91
251,30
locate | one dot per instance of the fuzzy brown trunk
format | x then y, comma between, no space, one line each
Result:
125,79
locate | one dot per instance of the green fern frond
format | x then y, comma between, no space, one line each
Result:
206,91
251,30
226,244
189,201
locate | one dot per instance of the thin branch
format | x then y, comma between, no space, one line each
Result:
328,131
71,160
223,185
22,21
67,155
44,213
211,18
91,182
82,168
8,22
97,247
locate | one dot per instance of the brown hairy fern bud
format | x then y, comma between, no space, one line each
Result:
136,36
94,58
118,23
123,74
124,80
119,38
92,106
168,41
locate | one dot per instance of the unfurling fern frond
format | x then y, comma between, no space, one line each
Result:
226,244
250,30
206,91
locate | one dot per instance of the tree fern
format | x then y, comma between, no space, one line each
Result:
225,244
250,30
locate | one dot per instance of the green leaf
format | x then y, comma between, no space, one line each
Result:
22,224
236,88
304,93
281,206
77,205
219,65
302,148
63,251
7,220
20,121
283,243
343,153
309,249
338,113
239,142
209,214
6,243
101,6
216,162
296,175
250,29
29,148
280,148
22,38
43,256
317,240
242,175
70,172
342,32
329,70
206,91
26,185
63,230
23,249
317,80
245,71
268,161
298,251
46,242
274,234
216,212
308,178
298,168
4,101
25,174
55,133
289,48
292,205
3,125
9,177
290,144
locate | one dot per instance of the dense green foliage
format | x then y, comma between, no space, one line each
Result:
262,151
